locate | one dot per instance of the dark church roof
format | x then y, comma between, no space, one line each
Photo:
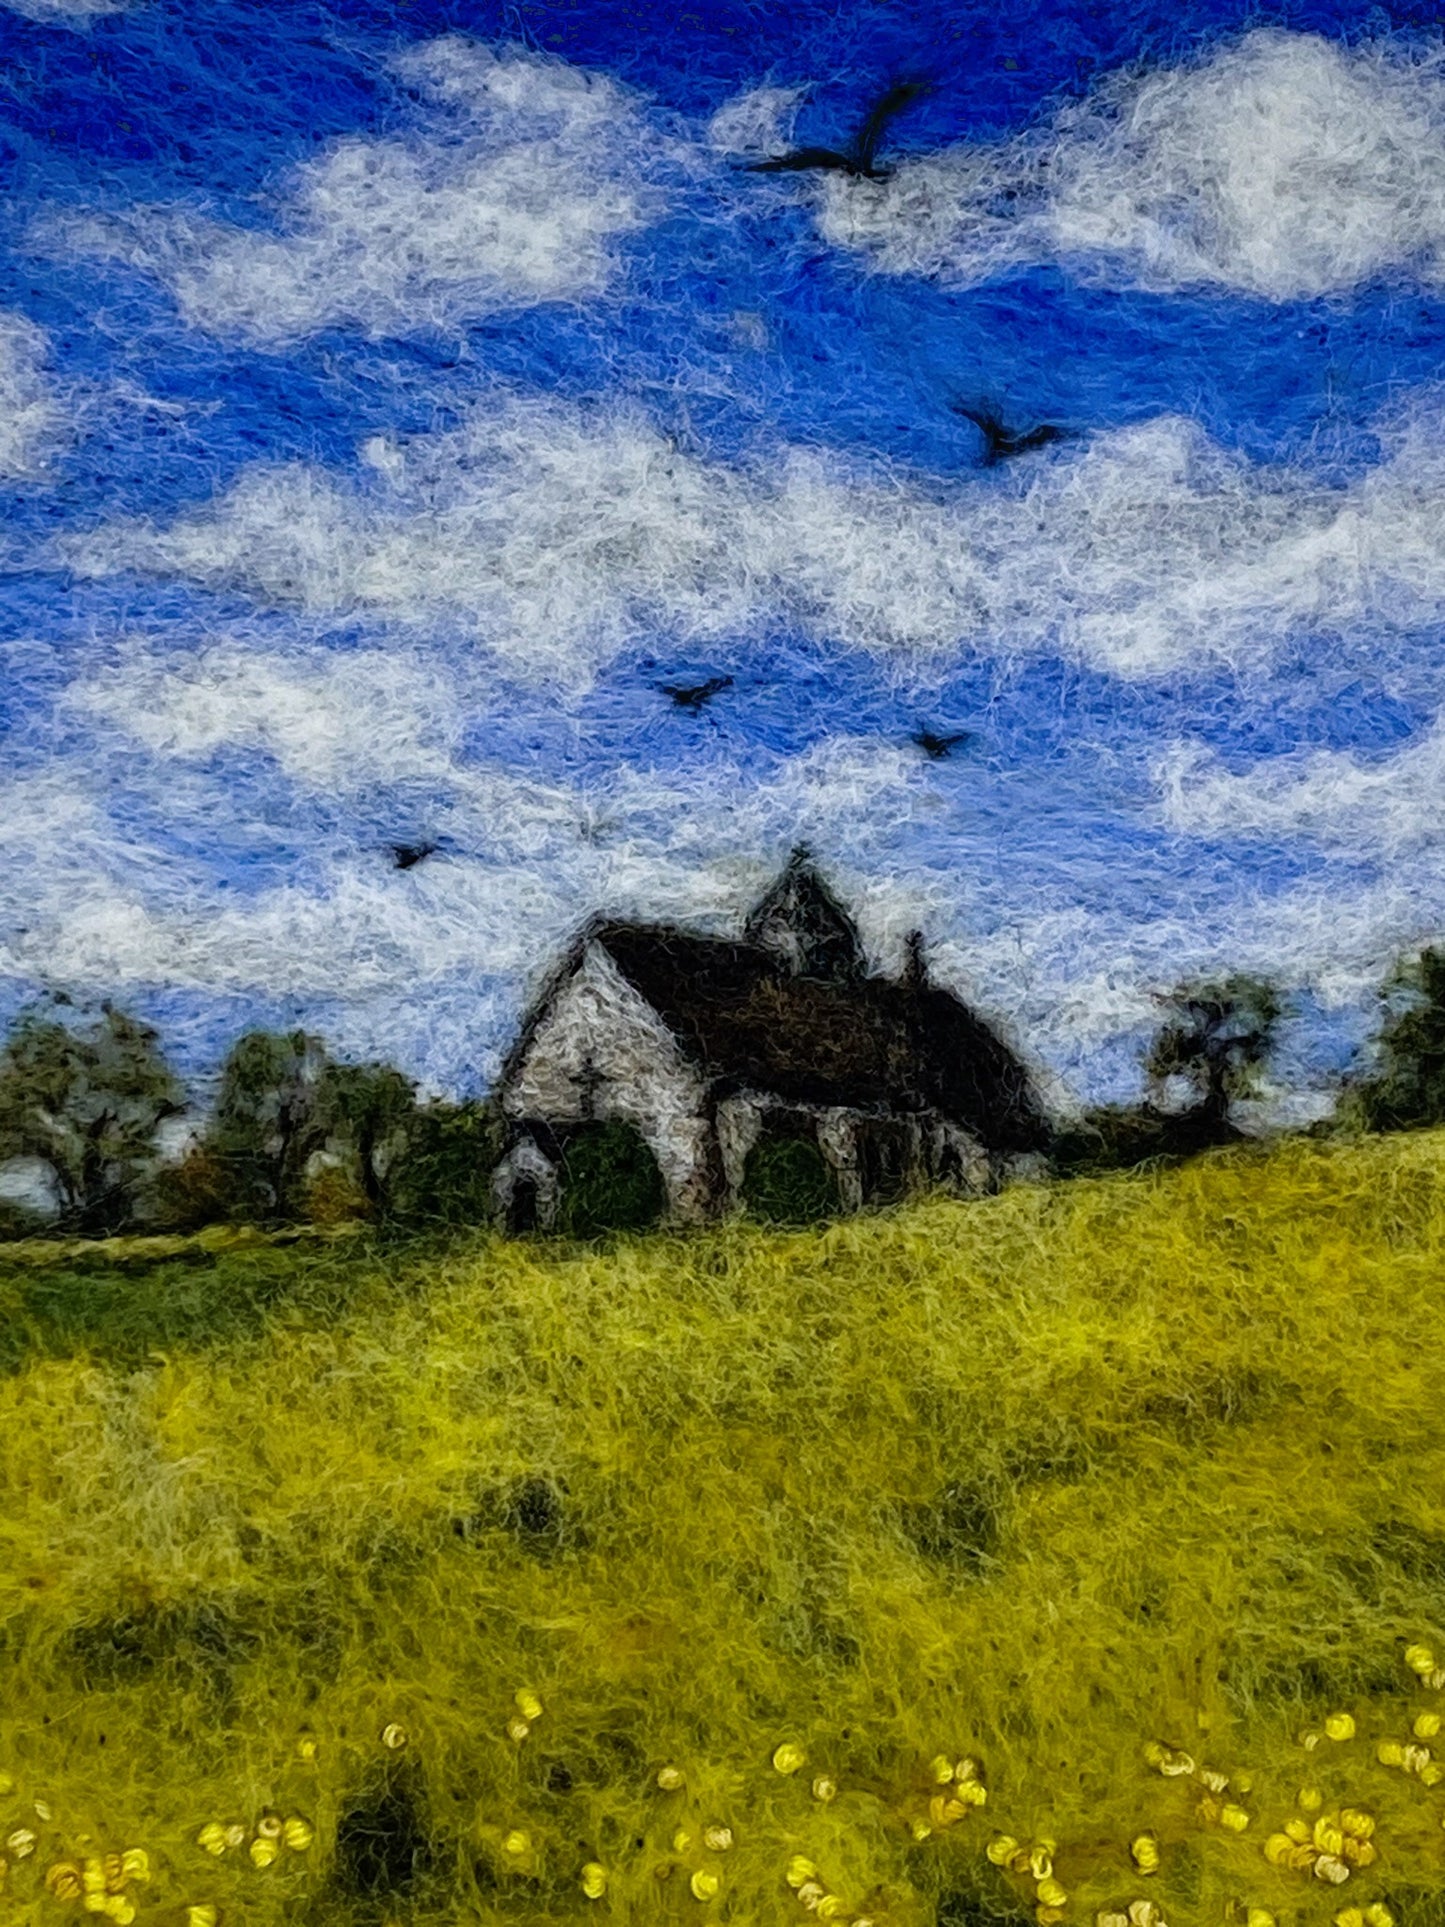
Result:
804,1023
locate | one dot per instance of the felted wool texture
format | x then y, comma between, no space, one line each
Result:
390,412
1151,1462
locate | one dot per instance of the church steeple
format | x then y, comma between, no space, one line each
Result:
805,927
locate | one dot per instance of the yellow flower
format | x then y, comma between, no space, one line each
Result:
941,1767
800,1869
1350,1917
135,1864
43,1810
825,1789
64,1881
1415,1758
263,1852
1297,1830
1355,1821
788,1757
1174,1765
121,1911
1145,1851
1216,1782
1420,1660
1361,1853
1048,1916
1328,1835
966,1772
269,1825
1340,1726
1110,1917
973,1793
943,1811
515,1843
1426,1726
1311,1799
235,1834
1330,1867
717,1839
527,1703
1052,1892
832,1907
517,1729
1259,1917
298,1833
394,1737
669,1778
306,1748
1390,1753
1377,1914
21,1843
704,1884
594,1880
1234,1818
93,1877
921,1831
681,1840
203,1915
1041,1861
1001,1849
1278,1848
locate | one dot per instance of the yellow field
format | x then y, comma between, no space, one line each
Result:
1039,1481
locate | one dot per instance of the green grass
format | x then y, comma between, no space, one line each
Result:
1041,1480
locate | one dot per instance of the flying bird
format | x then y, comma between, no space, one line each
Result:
406,856
939,748
999,443
859,160
694,695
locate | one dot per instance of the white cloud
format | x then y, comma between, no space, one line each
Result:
755,124
1328,797
30,418
1283,166
513,193
555,537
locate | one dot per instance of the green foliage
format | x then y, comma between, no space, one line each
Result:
786,1180
441,1179
86,1101
1215,1037
609,1182
368,1110
1408,1090
266,1122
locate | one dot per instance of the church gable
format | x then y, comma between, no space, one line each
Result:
598,1048
802,925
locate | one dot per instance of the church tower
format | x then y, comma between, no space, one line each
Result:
803,925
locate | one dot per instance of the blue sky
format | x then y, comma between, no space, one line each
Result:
392,396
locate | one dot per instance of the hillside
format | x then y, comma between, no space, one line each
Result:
1046,1481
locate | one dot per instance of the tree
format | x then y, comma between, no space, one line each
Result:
369,1109
267,1123
1216,1038
787,1180
442,1174
1408,1090
87,1102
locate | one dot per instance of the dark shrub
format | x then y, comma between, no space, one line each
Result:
610,1182
787,1181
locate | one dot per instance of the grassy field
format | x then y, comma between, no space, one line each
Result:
1049,1482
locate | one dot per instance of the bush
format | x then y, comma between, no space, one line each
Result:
610,1182
787,1180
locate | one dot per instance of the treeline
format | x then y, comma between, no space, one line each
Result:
293,1135
1214,1045
296,1136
